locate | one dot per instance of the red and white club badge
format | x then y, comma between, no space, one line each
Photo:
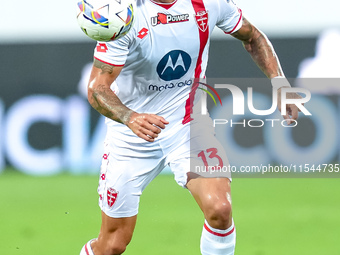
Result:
202,20
111,196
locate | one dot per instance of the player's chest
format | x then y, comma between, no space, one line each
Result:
160,31
182,19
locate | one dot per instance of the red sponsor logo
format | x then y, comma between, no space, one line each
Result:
202,20
101,47
162,18
142,33
111,196
105,156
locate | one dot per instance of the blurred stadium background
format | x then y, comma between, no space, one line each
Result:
50,139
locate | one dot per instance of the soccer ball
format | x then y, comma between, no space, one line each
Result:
105,20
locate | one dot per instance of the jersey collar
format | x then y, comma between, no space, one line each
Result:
166,6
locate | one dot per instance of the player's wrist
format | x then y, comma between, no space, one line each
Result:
280,82
127,116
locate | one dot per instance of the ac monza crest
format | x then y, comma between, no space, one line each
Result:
202,20
111,196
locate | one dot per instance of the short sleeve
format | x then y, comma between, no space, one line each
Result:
230,16
114,52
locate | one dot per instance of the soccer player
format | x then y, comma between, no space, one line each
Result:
145,83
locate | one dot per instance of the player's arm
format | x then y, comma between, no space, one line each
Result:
100,95
260,49
106,102
263,54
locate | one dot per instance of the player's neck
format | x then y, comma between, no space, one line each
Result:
164,1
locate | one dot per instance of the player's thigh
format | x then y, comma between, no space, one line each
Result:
197,154
205,167
209,180
125,172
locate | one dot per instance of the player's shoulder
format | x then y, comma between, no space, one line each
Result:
220,5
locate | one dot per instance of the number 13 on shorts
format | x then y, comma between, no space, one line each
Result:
211,162
212,153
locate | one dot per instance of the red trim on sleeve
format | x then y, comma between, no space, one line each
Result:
218,234
238,22
107,62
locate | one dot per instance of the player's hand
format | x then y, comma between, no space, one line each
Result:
146,126
291,109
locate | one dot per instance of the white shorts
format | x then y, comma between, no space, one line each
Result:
127,168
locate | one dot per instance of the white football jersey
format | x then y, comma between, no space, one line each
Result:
165,49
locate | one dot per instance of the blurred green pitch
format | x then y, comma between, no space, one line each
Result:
57,215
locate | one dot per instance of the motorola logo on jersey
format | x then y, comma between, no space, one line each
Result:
174,65
170,85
